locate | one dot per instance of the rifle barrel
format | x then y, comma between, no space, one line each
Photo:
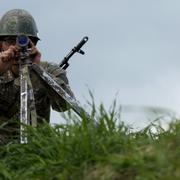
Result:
64,63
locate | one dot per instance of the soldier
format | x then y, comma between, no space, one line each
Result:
13,23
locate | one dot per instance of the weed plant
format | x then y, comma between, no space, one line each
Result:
82,149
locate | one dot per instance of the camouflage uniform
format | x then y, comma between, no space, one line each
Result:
44,99
13,23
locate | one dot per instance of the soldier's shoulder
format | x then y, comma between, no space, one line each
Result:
48,64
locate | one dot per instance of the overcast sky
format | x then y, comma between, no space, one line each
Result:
133,48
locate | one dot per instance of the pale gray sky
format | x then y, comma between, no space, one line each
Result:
133,47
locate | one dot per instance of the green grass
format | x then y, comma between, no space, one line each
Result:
82,150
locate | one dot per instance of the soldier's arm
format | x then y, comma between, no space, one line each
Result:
60,76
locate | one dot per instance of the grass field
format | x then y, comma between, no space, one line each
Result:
105,151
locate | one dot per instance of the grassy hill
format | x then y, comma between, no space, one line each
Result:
82,150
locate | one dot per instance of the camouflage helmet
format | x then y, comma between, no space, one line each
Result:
18,21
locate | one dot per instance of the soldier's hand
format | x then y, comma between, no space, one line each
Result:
11,54
34,53
8,57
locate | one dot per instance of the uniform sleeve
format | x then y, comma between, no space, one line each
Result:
59,75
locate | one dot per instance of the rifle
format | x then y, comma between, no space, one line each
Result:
28,114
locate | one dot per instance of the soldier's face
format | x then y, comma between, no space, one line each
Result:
11,40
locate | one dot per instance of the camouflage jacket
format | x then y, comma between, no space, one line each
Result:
10,94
